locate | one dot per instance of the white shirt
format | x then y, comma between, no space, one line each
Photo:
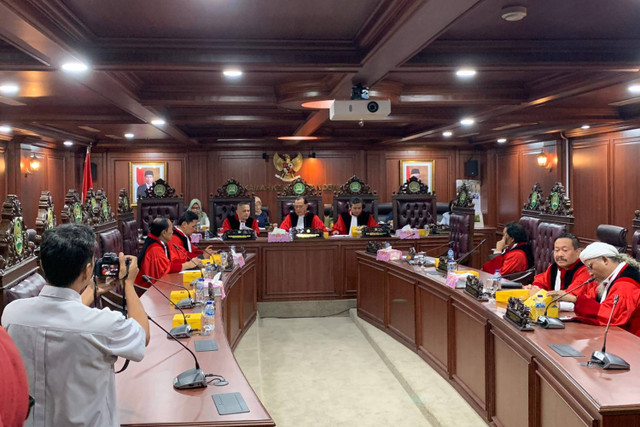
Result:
354,223
188,239
607,282
243,226
69,351
300,224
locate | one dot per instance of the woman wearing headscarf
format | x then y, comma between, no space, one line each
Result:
196,206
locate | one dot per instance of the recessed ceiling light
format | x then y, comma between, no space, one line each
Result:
318,104
5,129
75,67
514,13
585,127
467,121
232,73
447,133
129,135
68,143
502,140
466,72
297,138
9,89
634,88
158,122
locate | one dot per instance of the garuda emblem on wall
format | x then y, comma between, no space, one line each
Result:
287,166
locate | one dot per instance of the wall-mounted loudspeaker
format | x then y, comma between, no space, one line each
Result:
471,168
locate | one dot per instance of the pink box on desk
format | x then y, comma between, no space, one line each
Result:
281,238
195,237
411,234
388,254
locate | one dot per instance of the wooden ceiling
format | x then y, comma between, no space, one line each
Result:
566,64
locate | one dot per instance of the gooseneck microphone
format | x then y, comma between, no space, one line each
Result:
191,378
183,303
551,322
605,360
189,258
441,246
472,251
181,331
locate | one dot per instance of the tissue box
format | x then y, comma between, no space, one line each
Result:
388,255
238,260
410,234
193,319
531,302
281,238
503,296
180,295
195,237
190,276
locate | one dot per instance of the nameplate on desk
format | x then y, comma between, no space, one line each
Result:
308,233
518,314
376,232
473,287
239,235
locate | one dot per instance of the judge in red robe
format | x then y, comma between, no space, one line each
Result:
241,220
515,254
184,254
300,218
154,259
353,218
616,275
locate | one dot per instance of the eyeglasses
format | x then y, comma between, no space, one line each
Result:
32,402
590,265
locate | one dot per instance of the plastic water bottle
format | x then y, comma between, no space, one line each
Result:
451,262
291,234
207,235
200,292
208,318
233,250
539,307
497,280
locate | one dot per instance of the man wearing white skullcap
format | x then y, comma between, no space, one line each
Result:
616,274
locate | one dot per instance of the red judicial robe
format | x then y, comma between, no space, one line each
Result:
310,221
627,313
186,252
364,218
514,260
570,277
154,260
233,223
14,393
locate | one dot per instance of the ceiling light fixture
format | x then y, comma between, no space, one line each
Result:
466,72
514,13
468,121
158,122
9,89
447,133
68,143
297,138
5,129
75,67
326,103
585,127
634,88
232,73
502,140
129,135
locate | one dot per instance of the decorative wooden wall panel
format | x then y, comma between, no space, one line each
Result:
625,188
508,187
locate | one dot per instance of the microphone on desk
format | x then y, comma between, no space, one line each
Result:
191,378
180,331
183,303
605,360
551,322
472,251
189,258
441,246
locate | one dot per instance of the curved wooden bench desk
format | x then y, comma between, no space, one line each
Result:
511,378
145,392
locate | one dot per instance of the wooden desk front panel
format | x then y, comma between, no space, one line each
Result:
433,306
371,292
402,301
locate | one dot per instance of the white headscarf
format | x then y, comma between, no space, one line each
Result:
598,249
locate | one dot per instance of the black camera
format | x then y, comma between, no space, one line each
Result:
107,266
372,107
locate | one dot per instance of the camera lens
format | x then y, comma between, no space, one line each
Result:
372,107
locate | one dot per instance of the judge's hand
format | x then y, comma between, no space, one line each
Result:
197,262
209,250
501,243
564,296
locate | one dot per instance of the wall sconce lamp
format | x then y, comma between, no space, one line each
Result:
544,161
33,165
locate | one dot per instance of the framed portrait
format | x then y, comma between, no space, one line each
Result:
421,169
142,175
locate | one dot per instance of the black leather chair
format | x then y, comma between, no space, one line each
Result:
295,189
384,209
413,205
613,235
223,203
635,239
164,204
354,187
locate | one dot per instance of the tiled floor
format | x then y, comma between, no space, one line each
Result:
339,371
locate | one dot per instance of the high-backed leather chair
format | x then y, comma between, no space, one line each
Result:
461,223
102,220
413,205
294,190
384,209
163,202
46,217
127,224
530,216
354,187
18,276
613,235
223,203
555,218
635,239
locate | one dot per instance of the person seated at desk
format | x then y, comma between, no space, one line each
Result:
515,254
196,207
446,217
300,218
617,276
261,216
182,251
354,217
241,220
69,349
154,259
567,271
